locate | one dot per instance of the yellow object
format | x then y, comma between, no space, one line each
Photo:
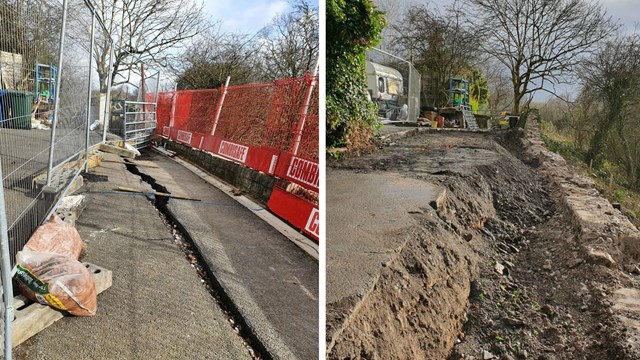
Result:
392,86
95,161
54,302
434,124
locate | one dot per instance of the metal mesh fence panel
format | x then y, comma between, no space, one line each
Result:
38,161
413,93
391,96
99,110
140,115
126,90
29,48
74,102
51,108
2,328
133,105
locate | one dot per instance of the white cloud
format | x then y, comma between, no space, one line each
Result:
245,16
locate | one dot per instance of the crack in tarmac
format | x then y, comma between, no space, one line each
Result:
255,349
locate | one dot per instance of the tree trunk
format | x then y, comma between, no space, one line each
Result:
102,77
516,106
517,92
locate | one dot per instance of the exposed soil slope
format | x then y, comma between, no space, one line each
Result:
513,263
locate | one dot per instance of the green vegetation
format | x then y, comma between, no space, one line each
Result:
564,148
610,175
479,90
352,27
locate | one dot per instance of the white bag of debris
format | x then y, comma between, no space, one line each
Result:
56,236
132,148
58,281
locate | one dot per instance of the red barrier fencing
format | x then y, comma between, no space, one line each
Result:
271,127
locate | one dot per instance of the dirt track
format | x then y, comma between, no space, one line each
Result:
503,269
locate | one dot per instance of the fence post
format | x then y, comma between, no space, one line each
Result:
5,267
56,112
174,101
409,99
157,88
93,30
107,109
155,106
219,107
305,110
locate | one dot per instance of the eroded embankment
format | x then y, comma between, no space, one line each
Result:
605,248
524,259
418,303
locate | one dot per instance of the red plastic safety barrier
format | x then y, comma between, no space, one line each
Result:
259,126
298,212
303,172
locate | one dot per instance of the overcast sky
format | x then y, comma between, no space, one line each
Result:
626,11
246,16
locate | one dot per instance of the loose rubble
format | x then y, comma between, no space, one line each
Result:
541,281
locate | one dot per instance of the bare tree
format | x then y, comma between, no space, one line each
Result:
613,75
149,31
31,31
439,45
394,12
291,42
500,91
574,119
538,41
214,56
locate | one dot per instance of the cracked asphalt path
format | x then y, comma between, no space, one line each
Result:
157,307
272,283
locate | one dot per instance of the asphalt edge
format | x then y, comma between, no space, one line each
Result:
265,341
304,243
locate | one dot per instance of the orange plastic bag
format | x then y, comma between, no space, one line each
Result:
58,281
56,236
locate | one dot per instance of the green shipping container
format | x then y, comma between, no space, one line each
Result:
20,103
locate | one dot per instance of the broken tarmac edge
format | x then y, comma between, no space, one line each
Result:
307,245
413,131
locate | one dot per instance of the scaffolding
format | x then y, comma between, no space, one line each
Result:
459,93
45,83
